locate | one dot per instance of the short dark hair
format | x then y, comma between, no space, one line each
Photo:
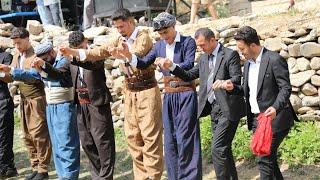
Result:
248,35
121,14
76,38
206,32
19,32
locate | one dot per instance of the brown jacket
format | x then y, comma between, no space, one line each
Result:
142,45
28,89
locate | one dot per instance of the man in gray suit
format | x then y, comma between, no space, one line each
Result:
218,63
266,87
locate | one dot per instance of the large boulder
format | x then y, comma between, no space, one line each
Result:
286,34
315,63
228,33
284,54
310,101
6,26
315,80
62,40
101,40
37,38
303,64
310,117
292,65
301,78
5,33
288,41
118,85
34,27
6,43
310,49
303,110
274,44
294,50
296,102
308,89
300,32
93,32
306,38
53,30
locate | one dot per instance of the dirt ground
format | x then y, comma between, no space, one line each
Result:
275,21
247,170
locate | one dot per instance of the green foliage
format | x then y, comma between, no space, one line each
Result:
241,144
302,146
120,138
206,137
222,10
16,120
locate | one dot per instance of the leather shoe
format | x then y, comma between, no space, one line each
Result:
31,176
41,176
11,173
8,173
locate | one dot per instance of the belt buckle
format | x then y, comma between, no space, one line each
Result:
173,84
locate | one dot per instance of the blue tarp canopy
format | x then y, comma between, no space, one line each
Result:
19,14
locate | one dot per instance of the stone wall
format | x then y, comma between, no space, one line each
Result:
298,43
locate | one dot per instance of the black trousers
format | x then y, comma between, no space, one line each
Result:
223,133
268,165
97,139
6,134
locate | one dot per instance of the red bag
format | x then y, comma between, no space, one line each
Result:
262,138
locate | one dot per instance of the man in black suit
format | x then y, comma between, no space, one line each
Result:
94,114
7,167
266,87
226,110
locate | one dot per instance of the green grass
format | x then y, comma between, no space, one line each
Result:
301,146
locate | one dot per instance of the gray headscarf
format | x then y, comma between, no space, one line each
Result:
43,48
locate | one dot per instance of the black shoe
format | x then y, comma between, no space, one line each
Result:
2,174
11,173
41,176
31,176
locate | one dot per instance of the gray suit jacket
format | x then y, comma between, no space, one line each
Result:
227,67
274,89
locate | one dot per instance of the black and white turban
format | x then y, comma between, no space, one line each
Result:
163,20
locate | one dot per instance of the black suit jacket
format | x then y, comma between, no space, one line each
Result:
273,89
94,77
5,58
227,67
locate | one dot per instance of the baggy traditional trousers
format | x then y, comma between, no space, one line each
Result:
182,136
62,125
143,129
35,131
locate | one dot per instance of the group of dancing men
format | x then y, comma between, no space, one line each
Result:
65,101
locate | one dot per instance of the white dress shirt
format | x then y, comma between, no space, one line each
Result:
169,51
253,76
132,38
